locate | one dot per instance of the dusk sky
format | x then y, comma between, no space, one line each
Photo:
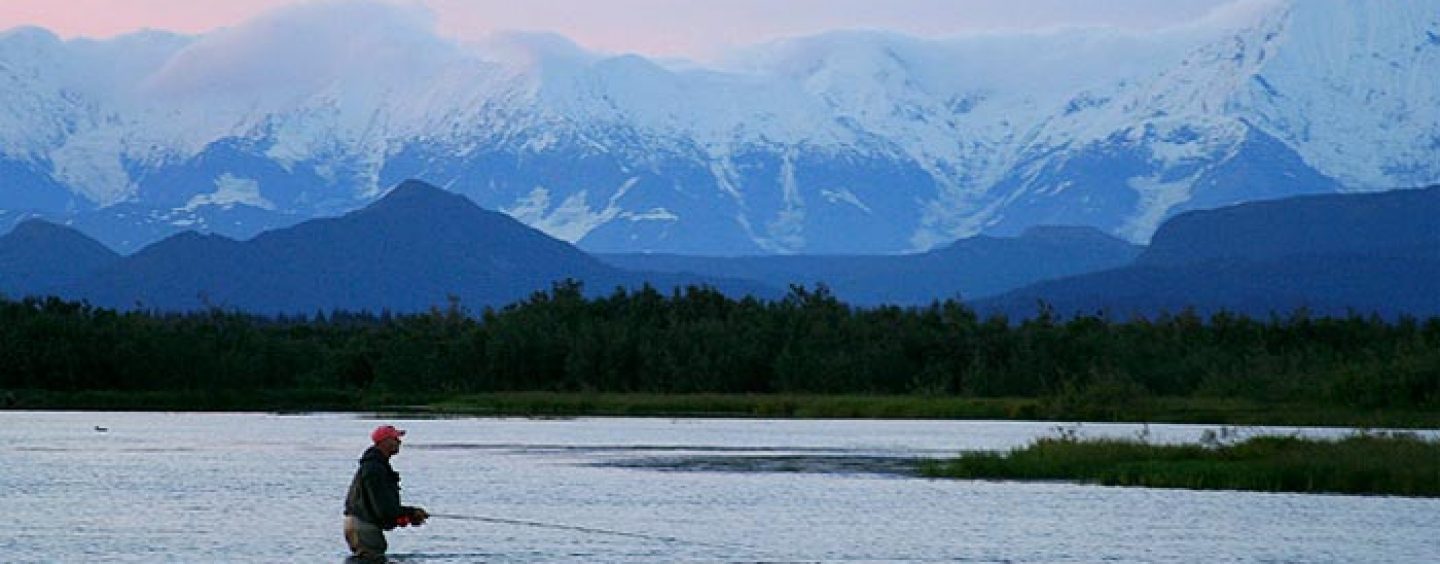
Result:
683,28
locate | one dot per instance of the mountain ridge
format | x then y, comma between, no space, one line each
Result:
420,247
37,255
841,143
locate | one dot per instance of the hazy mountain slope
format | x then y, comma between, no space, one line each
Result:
970,268
1363,253
1402,223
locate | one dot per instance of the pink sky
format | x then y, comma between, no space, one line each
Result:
695,28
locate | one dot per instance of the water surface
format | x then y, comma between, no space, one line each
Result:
164,487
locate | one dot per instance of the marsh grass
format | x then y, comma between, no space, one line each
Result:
1364,463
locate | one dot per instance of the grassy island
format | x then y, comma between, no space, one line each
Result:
1383,464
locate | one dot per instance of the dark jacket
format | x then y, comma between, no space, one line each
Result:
374,495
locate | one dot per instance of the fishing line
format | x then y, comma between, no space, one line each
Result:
590,530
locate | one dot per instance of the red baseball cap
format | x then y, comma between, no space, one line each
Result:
385,432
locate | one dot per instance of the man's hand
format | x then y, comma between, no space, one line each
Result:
418,516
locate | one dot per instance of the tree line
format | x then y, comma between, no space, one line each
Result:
699,340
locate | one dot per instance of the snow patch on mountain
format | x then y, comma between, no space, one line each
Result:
573,218
568,220
89,163
841,195
231,190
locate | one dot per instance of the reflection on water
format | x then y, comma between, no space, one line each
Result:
160,487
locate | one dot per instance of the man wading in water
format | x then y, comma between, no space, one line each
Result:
373,504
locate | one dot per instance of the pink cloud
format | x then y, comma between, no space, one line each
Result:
108,18
653,27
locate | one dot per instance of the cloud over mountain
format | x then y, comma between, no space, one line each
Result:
303,49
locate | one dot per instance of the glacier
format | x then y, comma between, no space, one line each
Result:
844,142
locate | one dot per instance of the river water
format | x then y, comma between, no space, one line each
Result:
249,487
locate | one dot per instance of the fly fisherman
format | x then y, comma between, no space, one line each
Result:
373,504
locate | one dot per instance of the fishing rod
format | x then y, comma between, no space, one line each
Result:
590,530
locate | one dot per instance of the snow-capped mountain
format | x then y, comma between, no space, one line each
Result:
848,142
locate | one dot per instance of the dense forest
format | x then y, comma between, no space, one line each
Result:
698,340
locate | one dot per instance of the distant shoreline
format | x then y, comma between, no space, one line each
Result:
781,406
